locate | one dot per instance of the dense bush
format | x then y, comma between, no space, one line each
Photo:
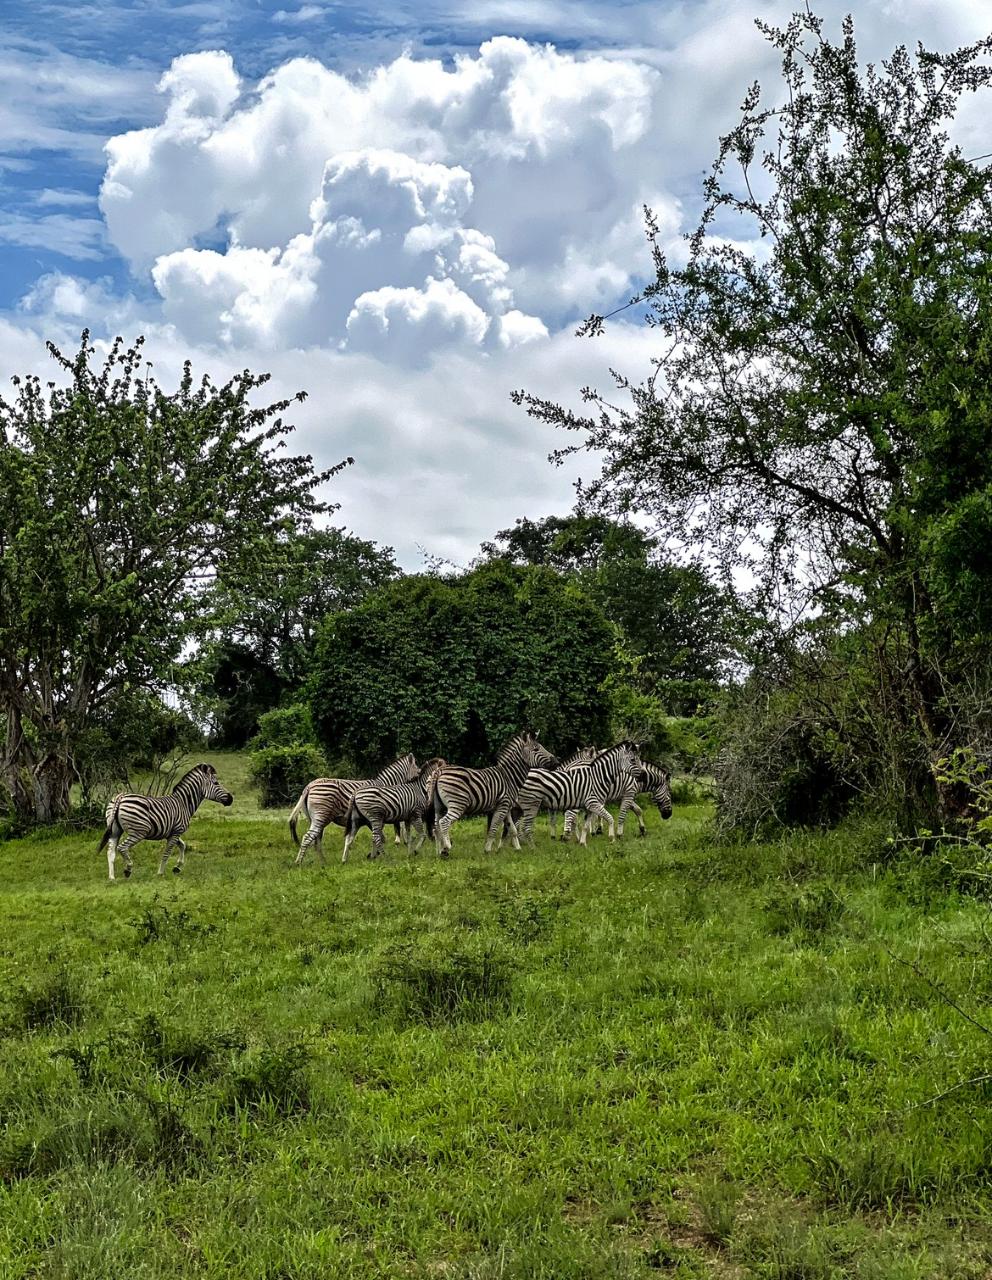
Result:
281,773
456,666
285,727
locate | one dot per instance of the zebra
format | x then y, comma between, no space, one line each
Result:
653,779
406,802
461,792
584,786
138,817
584,755
326,800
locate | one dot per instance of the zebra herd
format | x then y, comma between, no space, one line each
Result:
420,800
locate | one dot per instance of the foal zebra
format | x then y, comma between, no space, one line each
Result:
159,817
406,802
653,779
461,792
585,786
327,799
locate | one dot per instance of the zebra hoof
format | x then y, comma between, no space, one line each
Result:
176,870
127,873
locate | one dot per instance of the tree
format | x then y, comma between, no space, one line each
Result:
820,411
673,617
118,505
456,666
267,618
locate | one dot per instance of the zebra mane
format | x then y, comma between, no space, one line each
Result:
513,746
609,751
198,770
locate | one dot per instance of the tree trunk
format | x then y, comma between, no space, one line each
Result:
52,782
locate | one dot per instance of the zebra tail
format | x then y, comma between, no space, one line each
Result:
301,804
436,808
110,827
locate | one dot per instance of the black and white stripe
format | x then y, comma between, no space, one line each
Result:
404,803
653,779
326,800
461,792
138,817
583,787
584,755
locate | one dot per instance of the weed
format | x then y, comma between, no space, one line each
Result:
717,1200
271,1079
525,917
809,912
157,923
183,1053
57,1000
435,987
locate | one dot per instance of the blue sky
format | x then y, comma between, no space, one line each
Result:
401,209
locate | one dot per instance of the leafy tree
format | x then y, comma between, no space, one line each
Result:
301,575
821,407
455,666
673,616
118,505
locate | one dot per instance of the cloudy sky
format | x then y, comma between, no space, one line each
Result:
402,209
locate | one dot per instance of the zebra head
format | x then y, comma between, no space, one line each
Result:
536,756
411,770
629,756
661,793
210,787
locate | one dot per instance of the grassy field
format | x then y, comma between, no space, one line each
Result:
669,1057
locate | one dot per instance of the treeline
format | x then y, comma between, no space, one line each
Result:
816,430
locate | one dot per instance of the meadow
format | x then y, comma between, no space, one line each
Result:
669,1056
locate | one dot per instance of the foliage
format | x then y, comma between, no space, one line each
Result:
456,666
673,618
267,618
290,726
820,410
119,503
281,773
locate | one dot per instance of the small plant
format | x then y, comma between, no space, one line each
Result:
810,912
272,1079
157,923
717,1200
181,1053
525,917
431,987
56,1001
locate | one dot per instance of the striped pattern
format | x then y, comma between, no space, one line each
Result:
406,802
584,755
654,779
583,787
138,817
460,792
326,800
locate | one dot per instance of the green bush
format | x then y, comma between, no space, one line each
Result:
284,727
281,773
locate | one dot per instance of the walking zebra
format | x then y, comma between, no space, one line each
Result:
461,792
405,802
585,786
138,817
584,755
653,779
327,799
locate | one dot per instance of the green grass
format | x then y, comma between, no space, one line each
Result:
670,1057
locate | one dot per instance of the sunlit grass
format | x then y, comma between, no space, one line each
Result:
665,1056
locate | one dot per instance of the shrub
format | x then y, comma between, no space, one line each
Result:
281,773
284,727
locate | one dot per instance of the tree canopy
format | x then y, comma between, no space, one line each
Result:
119,505
819,412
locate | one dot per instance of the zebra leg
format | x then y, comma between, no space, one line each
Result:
417,824
378,840
601,812
553,822
496,827
568,828
181,860
170,844
124,849
401,833
526,827
111,856
638,813
349,840
313,836
442,833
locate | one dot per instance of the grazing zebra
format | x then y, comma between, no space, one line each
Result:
653,779
461,792
585,786
327,799
159,817
405,802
